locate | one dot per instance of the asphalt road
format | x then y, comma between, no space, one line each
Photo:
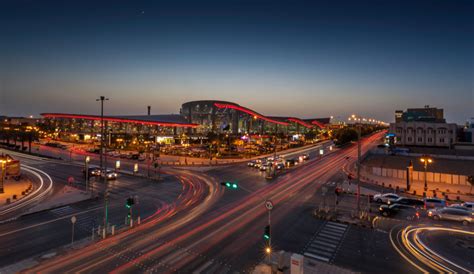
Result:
37,233
228,235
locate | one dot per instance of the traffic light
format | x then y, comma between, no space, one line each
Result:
230,185
129,202
266,234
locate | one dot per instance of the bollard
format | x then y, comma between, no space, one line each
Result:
138,220
126,220
98,230
92,234
131,222
113,230
14,197
103,233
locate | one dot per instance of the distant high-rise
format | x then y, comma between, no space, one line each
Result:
426,114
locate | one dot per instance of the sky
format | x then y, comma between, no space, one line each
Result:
290,58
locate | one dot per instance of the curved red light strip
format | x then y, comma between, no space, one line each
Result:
115,119
301,122
317,123
248,111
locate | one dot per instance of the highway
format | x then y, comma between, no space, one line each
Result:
228,234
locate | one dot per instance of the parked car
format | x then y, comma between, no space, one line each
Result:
305,156
459,206
405,211
251,163
385,197
434,202
451,214
408,201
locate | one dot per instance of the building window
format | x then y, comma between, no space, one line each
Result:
430,140
409,139
441,140
420,139
441,131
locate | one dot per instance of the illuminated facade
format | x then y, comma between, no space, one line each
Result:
196,118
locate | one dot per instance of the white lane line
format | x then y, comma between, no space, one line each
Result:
204,266
21,203
319,242
314,256
50,221
336,224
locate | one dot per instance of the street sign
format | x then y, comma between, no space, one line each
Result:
269,204
73,219
324,190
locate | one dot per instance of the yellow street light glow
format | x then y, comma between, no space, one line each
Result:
353,116
268,250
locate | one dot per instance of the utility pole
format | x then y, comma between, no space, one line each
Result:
358,164
103,172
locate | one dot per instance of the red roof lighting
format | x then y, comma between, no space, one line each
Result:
116,119
250,112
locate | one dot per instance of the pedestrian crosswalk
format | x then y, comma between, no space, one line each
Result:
324,245
62,211
83,221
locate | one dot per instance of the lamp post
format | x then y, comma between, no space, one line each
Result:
358,125
103,172
86,161
2,180
426,160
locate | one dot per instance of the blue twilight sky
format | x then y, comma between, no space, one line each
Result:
298,58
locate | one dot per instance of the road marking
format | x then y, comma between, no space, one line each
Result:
307,254
47,222
324,245
204,266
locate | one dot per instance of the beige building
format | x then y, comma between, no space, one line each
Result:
424,133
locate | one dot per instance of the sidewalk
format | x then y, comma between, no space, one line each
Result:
12,188
68,195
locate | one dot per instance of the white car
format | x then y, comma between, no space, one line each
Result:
385,198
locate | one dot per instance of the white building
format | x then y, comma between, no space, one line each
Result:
424,133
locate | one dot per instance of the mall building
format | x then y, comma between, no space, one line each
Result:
197,119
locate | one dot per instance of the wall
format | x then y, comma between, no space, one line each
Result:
432,177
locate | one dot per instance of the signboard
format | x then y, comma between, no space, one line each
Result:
269,205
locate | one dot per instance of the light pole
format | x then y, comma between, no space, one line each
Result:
103,173
86,161
426,160
2,180
358,125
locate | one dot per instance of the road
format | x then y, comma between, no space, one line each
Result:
228,236
178,193
435,248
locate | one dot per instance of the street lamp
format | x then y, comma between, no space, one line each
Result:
87,160
426,160
103,172
4,163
